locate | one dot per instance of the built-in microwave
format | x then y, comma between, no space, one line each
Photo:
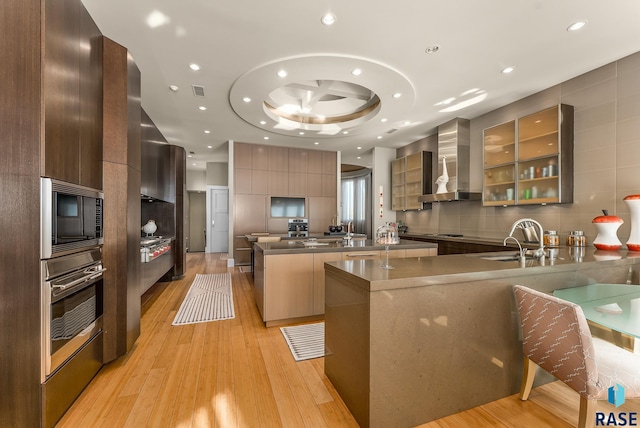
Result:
71,218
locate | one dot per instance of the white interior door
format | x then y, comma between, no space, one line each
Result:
218,220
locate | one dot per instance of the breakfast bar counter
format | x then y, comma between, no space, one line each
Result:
439,335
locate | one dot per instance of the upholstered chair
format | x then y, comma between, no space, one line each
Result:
556,337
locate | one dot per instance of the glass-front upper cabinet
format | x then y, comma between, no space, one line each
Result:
410,179
499,164
398,196
545,156
530,160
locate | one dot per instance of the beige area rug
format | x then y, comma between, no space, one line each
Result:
209,298
305,341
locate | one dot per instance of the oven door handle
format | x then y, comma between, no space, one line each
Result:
91,276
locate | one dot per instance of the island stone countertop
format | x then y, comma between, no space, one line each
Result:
327,245
475,267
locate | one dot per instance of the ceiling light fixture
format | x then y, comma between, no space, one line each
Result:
301,133
379,137
265,138
246,99
356,71
507,70
359,148
174,88
576,25
345,132
397,95
206,131
263,122
209,147
194,67
203,108
282,73
383,120
316,143
328,19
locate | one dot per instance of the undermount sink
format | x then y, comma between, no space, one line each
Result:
502,258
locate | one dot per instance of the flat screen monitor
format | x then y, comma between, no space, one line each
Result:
287,207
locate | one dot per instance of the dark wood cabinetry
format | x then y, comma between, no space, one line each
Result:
121,250
72,82
44,90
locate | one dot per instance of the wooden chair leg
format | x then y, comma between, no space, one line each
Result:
528,374
586,417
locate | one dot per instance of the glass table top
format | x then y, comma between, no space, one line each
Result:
616,306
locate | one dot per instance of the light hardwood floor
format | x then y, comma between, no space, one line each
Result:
238,373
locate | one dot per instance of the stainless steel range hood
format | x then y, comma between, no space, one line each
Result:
453,147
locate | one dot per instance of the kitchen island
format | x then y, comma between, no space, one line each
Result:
439,335
289,275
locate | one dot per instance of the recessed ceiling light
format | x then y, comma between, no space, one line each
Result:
282,73
194,67
328,19
206,131
301,133
265,138
432,49
356,71
406,122
383,120
507,70
189,156
203,108
358,157
174,88
345,132
397,95
209,147
246,99
263,122
576,26
194,164
316,143
379,137
359,148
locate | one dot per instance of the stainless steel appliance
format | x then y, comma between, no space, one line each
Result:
298,227
72,306
71,218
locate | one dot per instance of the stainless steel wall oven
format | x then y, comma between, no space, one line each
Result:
72,306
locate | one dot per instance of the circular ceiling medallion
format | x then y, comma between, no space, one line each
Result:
320,95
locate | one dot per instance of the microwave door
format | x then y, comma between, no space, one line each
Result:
68,212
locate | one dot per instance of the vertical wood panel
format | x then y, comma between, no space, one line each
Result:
90,109
20,121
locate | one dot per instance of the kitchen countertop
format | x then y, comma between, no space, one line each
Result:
332,244
456,268
286,237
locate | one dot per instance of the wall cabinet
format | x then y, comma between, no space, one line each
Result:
410,178
72,83
530,160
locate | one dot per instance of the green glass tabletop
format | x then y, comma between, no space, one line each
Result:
616,306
